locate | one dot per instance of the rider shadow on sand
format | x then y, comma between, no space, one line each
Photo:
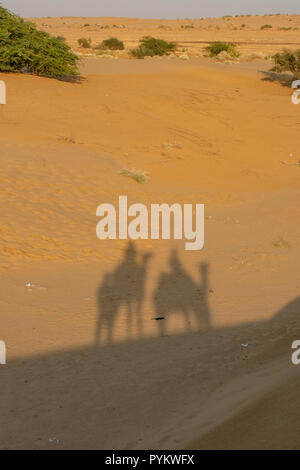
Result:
178,293
123,287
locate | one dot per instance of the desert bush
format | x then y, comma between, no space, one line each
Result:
165,27
158,46
112,44
216,47
24,48
85,43
287,61
266,26
150,46
141,52
139,176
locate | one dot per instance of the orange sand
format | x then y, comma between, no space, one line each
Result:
209,133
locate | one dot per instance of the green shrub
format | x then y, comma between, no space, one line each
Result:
216,47
287,61
158,46
112,44
85,43
150,46
24,48
141,52
266,26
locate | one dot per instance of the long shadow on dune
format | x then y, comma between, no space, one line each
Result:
136,393
132,395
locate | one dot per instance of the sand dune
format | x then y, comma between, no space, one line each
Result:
219,134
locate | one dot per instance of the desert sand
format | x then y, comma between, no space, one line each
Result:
190,35
87,365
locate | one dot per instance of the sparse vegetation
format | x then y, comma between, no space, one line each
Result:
165,27
85,43
281,243
216,47
141,52
112,44
150,46
139,176
66,139
287,61
266,26
23,48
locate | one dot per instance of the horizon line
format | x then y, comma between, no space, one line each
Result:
161,18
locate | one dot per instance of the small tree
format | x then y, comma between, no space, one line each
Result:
85,43
216,47
158,46
141,52
24,48
150,46
287,61
113,44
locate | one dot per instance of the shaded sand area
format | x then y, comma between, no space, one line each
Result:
87,363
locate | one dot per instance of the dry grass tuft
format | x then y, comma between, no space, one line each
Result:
139,176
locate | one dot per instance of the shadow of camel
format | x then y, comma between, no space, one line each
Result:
178,293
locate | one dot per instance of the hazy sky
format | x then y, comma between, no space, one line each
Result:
149,8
